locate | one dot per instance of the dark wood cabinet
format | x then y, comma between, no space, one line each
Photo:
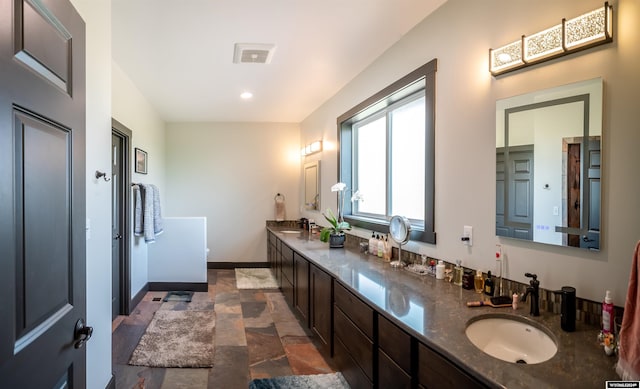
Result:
395,343
287,263
301,287
435,371
321,297
353,328
390,375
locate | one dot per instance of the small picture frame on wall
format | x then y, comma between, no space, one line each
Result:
141,161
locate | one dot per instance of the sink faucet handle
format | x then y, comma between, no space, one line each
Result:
531,275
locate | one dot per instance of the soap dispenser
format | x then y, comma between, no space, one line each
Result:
568,308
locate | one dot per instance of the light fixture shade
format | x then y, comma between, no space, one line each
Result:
585,31
506,57
316,146
543,44
592,27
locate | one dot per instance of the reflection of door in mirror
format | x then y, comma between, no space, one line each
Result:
312,185
548,165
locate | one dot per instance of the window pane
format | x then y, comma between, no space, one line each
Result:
370,170
407,151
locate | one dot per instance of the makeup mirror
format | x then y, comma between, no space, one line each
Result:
548,170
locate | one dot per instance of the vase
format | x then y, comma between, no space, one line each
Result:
336,240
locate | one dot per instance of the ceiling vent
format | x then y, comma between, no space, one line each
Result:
253,53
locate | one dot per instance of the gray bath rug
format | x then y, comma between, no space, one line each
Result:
260,278
177,339
316,381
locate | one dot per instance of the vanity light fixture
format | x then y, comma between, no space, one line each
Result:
311,148
246,95
583,32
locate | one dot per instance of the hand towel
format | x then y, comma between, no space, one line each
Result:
158,227
628,366
280,208
137,214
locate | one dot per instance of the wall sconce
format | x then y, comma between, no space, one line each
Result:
311,148
580,33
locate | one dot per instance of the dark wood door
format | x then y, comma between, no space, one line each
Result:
117,250
42,195
592,197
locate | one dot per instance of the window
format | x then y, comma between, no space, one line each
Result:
387,153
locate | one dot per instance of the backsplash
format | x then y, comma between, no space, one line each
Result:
587,311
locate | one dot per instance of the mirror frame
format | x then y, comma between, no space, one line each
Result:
589,93
315,204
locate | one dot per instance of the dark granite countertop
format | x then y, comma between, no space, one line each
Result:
435,312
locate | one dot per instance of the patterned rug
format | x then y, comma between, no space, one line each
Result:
316,381
260,278
177,339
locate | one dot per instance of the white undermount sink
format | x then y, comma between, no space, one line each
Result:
291,232
511,338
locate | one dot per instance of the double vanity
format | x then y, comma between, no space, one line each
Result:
386,327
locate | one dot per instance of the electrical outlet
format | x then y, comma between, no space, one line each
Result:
467,236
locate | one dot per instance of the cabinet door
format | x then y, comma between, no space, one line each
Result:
287,263
301,287
321,307
395,343
434,371
390,375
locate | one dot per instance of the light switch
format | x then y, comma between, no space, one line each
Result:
556,211
467,236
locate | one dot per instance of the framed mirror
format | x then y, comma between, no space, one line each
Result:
311,174
548,165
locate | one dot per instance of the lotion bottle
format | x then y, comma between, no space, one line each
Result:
607,313
380,247
457,273
373,244
440,270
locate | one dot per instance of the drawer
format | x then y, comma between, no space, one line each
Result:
355,309
435,371
287,291
390,375
272,238
357,344
349,368
395,342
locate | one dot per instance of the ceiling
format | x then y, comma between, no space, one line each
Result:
179,54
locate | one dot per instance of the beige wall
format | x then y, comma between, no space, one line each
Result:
459,35
133,110
230,173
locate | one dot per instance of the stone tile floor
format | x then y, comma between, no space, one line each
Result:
256,336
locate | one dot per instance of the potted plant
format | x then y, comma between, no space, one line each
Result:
335,233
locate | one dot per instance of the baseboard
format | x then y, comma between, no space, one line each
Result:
234,265
168,286
112,383
138,297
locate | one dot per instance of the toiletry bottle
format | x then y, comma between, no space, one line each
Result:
514,301
440,270
478,281
489,286
467,279
457,273
373,244
380,247
607,313
387,250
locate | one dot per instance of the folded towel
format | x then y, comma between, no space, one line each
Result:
137,214
147,214
628,366
158,227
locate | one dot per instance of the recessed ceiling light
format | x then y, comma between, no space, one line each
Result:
246,95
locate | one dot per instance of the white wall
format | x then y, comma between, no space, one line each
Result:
132,109
230,173
97,17
459,34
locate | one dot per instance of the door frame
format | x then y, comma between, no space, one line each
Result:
122,131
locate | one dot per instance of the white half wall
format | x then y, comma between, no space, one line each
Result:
459,34
179,254
230,173
132,109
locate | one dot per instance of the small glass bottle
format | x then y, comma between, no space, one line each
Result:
478,282
457,273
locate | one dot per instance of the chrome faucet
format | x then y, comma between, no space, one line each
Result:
534,290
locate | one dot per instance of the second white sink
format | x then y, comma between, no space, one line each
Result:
511,338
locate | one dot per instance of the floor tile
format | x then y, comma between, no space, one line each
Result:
304,358
185,379
274,367
230,367
230,330
264,344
